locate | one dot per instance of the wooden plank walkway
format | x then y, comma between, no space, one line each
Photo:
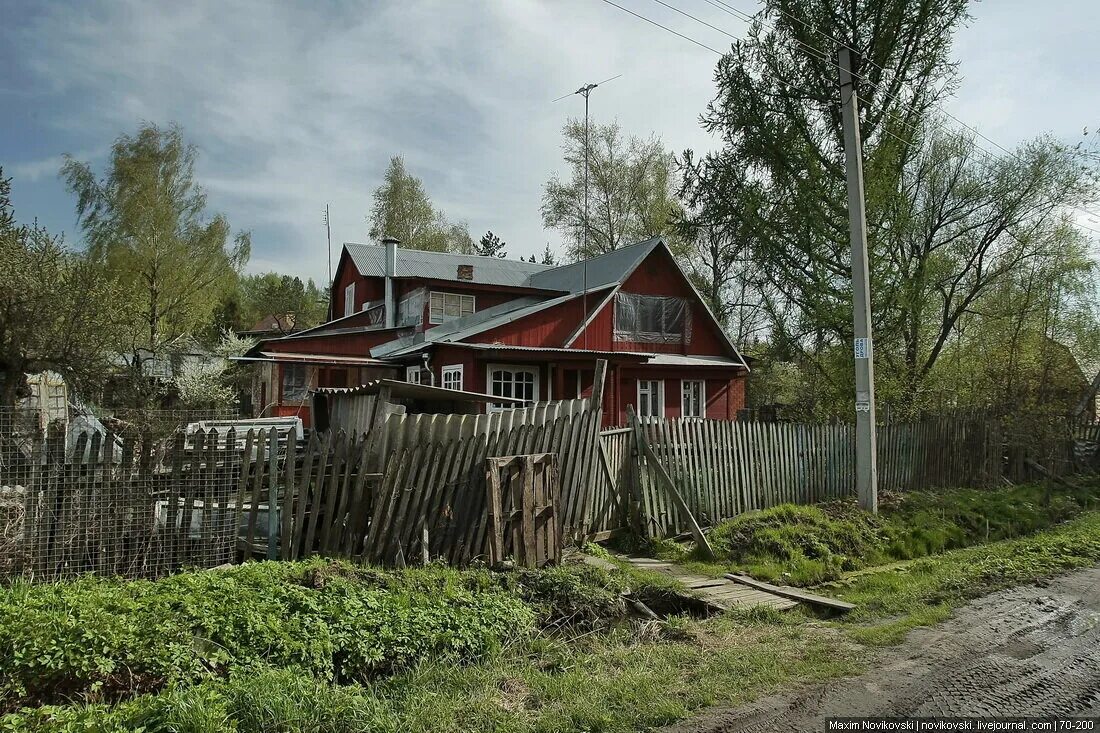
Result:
721,593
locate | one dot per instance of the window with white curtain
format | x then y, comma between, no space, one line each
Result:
518,382
693,398
452,377
444,307
651,398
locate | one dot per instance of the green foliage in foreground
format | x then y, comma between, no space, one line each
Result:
594,675
805,545
106,639
620,680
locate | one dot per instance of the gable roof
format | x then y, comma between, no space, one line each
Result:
610,268
369,259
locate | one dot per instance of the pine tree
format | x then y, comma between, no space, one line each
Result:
490,246
548,257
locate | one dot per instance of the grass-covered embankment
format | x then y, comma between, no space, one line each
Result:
319,646
891,602
807,545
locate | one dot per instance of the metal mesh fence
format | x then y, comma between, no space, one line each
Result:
129,502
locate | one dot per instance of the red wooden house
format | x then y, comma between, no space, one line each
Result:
513,329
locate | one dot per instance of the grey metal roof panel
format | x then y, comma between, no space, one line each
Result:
610,268
369,259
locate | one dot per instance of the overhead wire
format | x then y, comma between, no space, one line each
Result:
821,55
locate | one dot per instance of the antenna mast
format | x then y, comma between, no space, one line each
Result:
584,91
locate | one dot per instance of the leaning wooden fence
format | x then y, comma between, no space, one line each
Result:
722,469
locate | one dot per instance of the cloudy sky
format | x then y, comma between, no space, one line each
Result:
295,105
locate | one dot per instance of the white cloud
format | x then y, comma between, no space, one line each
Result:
296,105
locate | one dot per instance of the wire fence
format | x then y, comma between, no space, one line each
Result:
131,503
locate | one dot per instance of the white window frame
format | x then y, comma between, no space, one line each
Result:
490,368
660,396
702,398
412,374
349,299
450,371
460,299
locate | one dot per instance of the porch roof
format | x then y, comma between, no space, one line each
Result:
412,391
300,358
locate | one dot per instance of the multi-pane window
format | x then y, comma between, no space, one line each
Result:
452,377
651,398
412,374
692,398
443,307
517,382
349,299
295,384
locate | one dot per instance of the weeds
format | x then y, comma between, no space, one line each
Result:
804,545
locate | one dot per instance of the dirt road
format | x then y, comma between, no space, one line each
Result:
1032,650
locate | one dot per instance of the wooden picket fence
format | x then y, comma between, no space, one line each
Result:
722,468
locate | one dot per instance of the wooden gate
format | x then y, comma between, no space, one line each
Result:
523,501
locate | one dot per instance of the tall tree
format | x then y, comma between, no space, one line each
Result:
630,190
146,221
57,308
402,209
490,245
294,304
944,225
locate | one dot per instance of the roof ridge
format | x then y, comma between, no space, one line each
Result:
452,254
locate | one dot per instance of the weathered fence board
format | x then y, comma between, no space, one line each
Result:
721,469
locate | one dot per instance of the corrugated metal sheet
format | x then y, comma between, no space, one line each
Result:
606,269
369,260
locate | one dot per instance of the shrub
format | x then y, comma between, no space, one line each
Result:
96,639
805,545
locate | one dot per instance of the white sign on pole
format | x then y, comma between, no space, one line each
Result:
863,348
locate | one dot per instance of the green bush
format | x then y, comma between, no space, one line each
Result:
95,639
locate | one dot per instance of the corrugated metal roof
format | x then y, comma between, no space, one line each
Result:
369,259
610,268
462,328
689,360
411,390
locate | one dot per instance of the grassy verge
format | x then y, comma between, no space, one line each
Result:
890,603
809,545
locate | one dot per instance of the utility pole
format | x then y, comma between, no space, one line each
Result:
866,468
328,236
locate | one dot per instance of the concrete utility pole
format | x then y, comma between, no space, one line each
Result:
866,461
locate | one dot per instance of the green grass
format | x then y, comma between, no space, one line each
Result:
540,651
331,648
619,681
890,603
808,545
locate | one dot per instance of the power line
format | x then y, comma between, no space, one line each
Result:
825,57
664,27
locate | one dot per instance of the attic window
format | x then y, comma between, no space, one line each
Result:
465,272
444,307
654,319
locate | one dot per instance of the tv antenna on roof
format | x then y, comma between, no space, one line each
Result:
585,91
